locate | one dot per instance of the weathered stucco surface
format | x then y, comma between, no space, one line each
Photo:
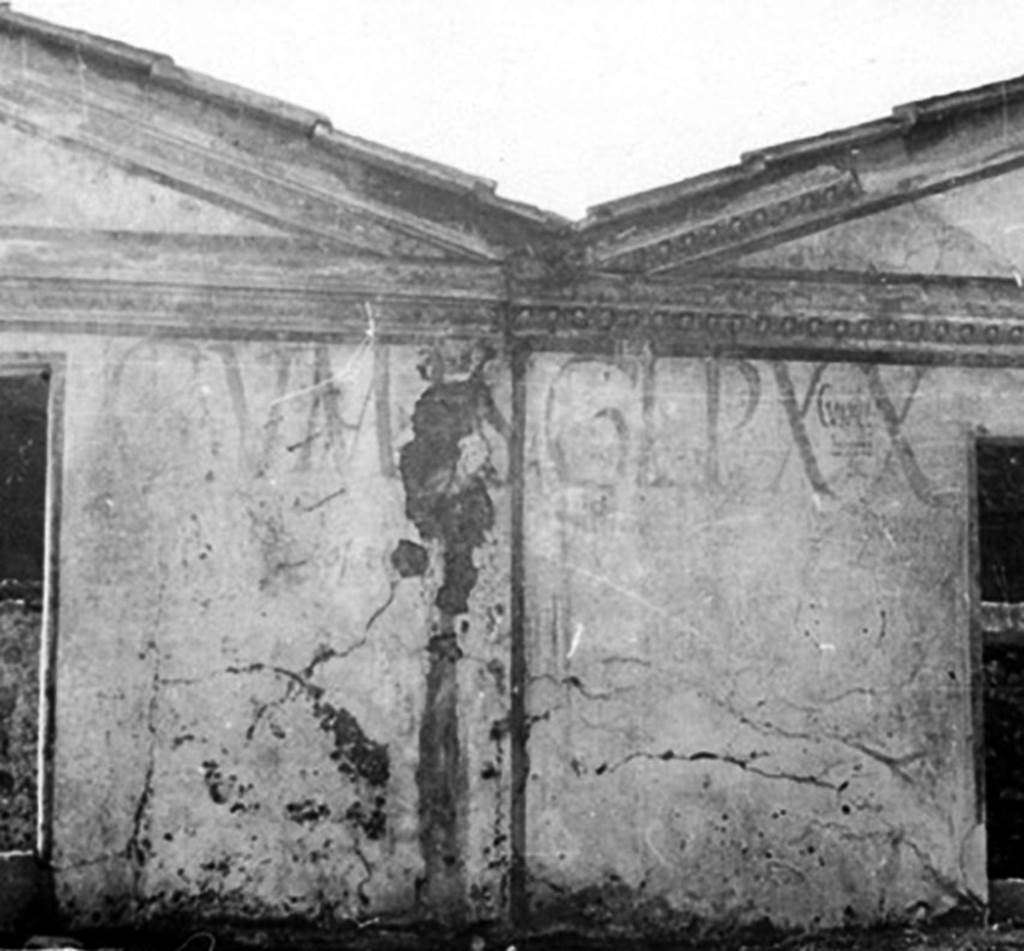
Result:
245,666
293,598
747,619
748,640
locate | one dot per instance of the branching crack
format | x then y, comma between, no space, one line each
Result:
578,685
138,846
895,763
364,899
320,503
946,884
294,679
744,763
617,659
829,701
297,680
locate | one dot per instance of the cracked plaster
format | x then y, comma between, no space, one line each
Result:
749,678
228,534
746,698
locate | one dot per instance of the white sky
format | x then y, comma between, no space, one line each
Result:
567,103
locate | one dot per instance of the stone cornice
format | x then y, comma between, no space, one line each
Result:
806,293
774,198
846,317
76,305
790,206
211,262
980,323
278,287
680,331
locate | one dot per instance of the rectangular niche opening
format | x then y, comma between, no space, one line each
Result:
24,464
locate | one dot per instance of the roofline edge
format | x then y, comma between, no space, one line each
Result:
161,70
900,121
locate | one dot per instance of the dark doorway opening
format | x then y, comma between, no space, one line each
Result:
1000,562
24,401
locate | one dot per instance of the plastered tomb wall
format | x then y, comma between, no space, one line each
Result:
747,588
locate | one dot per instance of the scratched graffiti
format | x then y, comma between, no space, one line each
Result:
846,424
315,412
608,421
731,405
296,408
281,434
589,416
620,421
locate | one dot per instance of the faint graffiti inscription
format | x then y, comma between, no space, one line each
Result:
845,423
717,431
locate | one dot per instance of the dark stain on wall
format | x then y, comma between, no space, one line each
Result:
307,811
357,757
409,559
439,778
216,786
372,820
446,498
611,909
354,753
445,474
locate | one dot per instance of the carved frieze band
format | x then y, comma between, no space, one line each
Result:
654,253
959,339
111,307
283,291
